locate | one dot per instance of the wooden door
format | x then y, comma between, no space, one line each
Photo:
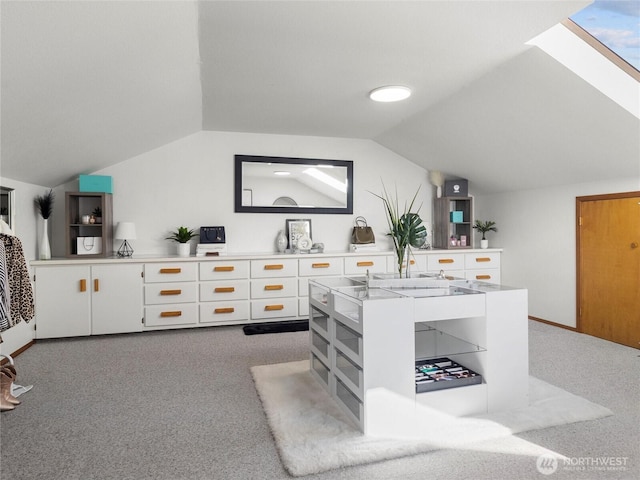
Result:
608,264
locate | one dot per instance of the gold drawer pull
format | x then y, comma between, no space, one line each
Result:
176,313
83,285
445,260
271,308
412,262
224,268
483,259
274,287
170,292
368,263
483,277
224,310
96,285
320,265
170,270
275,266
224,289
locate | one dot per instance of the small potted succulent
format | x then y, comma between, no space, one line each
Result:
483,227
182,235
96,215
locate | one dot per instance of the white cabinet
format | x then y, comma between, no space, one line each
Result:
274,288
360,264
224,292
482,266
88,300
170,294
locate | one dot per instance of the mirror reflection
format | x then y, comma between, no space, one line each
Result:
281,185
6,206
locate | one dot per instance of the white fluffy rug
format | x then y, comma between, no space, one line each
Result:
313,435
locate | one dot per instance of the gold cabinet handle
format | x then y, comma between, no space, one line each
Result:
176,313
483,277
224,310
170,292
412,262
274,287
170,270
83,285
224,289
368,263
483,259
445,260
320,265
271,308
96,285
275,266
223,268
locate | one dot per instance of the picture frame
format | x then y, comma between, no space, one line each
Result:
297,228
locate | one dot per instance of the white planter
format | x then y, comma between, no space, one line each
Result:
184,249
45,247
484,243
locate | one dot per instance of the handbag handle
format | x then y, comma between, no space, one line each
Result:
360,222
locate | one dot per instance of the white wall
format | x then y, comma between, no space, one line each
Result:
28,228
190,182
537,229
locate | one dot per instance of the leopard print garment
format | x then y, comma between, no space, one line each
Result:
22,304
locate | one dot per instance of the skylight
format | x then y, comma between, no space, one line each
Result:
615,24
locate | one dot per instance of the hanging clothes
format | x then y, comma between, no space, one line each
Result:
21,306
5,298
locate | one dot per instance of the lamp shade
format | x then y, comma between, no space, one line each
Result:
126,231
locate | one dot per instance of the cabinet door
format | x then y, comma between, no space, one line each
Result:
63,301
116,298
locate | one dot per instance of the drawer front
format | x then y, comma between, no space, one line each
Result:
224,290
166,315
212,312
445,261
165,293
418,263
222,270
316,267
303,307
170,272
285,267
274,288
488,275
481,261
274,308
360,264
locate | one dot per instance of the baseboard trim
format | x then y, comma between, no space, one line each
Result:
18,352
559,325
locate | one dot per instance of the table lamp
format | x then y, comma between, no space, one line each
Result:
125,231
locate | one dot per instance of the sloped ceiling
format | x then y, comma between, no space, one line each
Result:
90,84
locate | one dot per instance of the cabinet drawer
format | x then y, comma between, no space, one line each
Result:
285,267
445,261
274,308
418,263
166,315
360,264
224,311
317,267
481,261
170,272
274,288
224,290
490,275
165,293
221,270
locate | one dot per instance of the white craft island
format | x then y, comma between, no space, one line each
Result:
366,338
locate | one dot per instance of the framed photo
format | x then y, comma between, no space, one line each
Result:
296,229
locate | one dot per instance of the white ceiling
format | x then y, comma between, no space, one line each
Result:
90,84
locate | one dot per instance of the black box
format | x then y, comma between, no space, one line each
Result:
442,373
456,188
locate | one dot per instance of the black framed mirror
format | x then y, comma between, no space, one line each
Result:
293,185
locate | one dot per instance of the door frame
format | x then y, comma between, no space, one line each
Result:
579,201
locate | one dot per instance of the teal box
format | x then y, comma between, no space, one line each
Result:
456,217
95,183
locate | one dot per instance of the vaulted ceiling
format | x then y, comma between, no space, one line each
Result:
90,84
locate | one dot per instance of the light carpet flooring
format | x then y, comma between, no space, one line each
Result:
182,405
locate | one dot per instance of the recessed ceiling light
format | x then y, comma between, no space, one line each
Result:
390,93
281,172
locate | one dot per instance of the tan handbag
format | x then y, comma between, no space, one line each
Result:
361,233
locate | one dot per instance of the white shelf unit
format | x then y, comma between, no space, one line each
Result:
364,343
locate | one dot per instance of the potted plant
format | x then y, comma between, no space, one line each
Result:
44,205
97,215
484,227
406,228
182,235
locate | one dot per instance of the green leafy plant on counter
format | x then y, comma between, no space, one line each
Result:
484,227
182,235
